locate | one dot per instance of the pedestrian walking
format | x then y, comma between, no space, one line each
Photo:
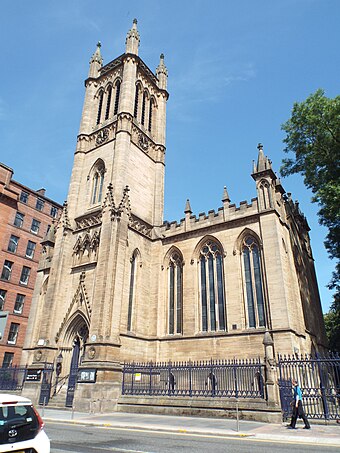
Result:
297,407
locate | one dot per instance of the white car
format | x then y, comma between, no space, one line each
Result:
21,427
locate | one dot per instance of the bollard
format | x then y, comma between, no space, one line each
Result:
43,409
237,418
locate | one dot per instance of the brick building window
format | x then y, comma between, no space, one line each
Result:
212,288
54,211
25,275
2,298
7,270
19,303
7,360
13,243
35,226
19,219
40,204
30,249
175,293
253,283
24,196
13,333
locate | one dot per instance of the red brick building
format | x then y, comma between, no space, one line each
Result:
25,217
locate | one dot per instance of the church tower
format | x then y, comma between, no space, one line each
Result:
113,212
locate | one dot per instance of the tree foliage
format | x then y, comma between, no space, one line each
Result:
313,136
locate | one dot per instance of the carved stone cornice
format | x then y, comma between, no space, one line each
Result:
147,145
104,134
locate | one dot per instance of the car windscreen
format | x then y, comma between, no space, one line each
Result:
17,423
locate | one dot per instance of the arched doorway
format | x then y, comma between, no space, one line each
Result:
76,336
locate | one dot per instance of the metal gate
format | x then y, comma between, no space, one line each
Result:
319,379
46,383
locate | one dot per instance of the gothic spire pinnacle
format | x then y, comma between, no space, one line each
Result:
187,209
225,197
263,163
162,73
132,39
96,62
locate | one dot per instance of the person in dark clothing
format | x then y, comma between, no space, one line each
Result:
297,407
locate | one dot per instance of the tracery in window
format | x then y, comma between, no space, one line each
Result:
253,282
100,106
212,288
108,102
117,97
175,293
97,182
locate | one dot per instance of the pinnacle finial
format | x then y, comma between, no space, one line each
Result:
187,207
132,39
259,146
99,44
225,197
135,21
162,72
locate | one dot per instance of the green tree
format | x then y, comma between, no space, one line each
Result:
313,136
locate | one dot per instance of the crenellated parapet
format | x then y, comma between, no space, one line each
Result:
204,220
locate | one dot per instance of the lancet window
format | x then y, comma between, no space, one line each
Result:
143,108
253,282
108,102
135,110
100,106
212,288
175,294
150,114
265,194
117,86
97,183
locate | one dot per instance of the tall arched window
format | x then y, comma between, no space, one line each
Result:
135,110
150,114
176,294
97,183
100,106
117,97
265,192
131,290
108,102
143,108
212,288
253,282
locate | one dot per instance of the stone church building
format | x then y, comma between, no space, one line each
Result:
118,284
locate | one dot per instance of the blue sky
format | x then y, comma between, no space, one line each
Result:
235,70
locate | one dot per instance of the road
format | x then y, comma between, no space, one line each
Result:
67,438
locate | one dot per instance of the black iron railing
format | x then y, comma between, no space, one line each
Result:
319,379
12,378
224,378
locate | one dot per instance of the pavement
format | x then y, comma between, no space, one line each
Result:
320,433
